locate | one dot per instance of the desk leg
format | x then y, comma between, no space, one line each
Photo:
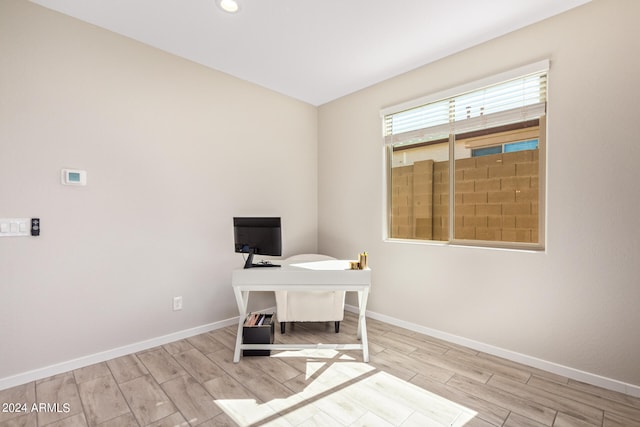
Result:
362,323
242,298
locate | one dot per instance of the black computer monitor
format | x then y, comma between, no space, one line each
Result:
257,235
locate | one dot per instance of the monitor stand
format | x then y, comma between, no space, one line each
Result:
249,262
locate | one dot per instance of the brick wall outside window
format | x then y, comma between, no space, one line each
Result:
496,199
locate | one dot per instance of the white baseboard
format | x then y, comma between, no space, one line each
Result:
91,359
575,374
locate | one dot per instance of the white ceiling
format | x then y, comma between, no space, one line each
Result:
313,50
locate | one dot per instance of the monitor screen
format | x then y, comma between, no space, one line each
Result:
257,235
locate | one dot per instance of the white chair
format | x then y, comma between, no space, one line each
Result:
312,306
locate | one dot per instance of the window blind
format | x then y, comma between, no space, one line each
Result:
485,104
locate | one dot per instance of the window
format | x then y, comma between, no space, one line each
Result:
465,166
505,148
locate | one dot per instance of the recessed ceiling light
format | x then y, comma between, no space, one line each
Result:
230,6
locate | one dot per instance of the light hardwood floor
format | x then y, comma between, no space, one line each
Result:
411,380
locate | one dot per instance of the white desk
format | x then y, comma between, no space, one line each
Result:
330,275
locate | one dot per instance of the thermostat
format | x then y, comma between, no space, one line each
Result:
74,177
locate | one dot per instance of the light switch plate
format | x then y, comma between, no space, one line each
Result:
15,227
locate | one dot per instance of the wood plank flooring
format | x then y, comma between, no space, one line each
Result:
411,380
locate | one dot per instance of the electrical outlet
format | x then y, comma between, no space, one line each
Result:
177,303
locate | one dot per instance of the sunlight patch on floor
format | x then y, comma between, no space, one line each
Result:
345,392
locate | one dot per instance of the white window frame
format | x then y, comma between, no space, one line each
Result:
541,66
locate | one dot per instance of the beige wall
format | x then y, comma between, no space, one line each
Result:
158,135
575,304
173,151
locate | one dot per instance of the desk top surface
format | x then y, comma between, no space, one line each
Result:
320,273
